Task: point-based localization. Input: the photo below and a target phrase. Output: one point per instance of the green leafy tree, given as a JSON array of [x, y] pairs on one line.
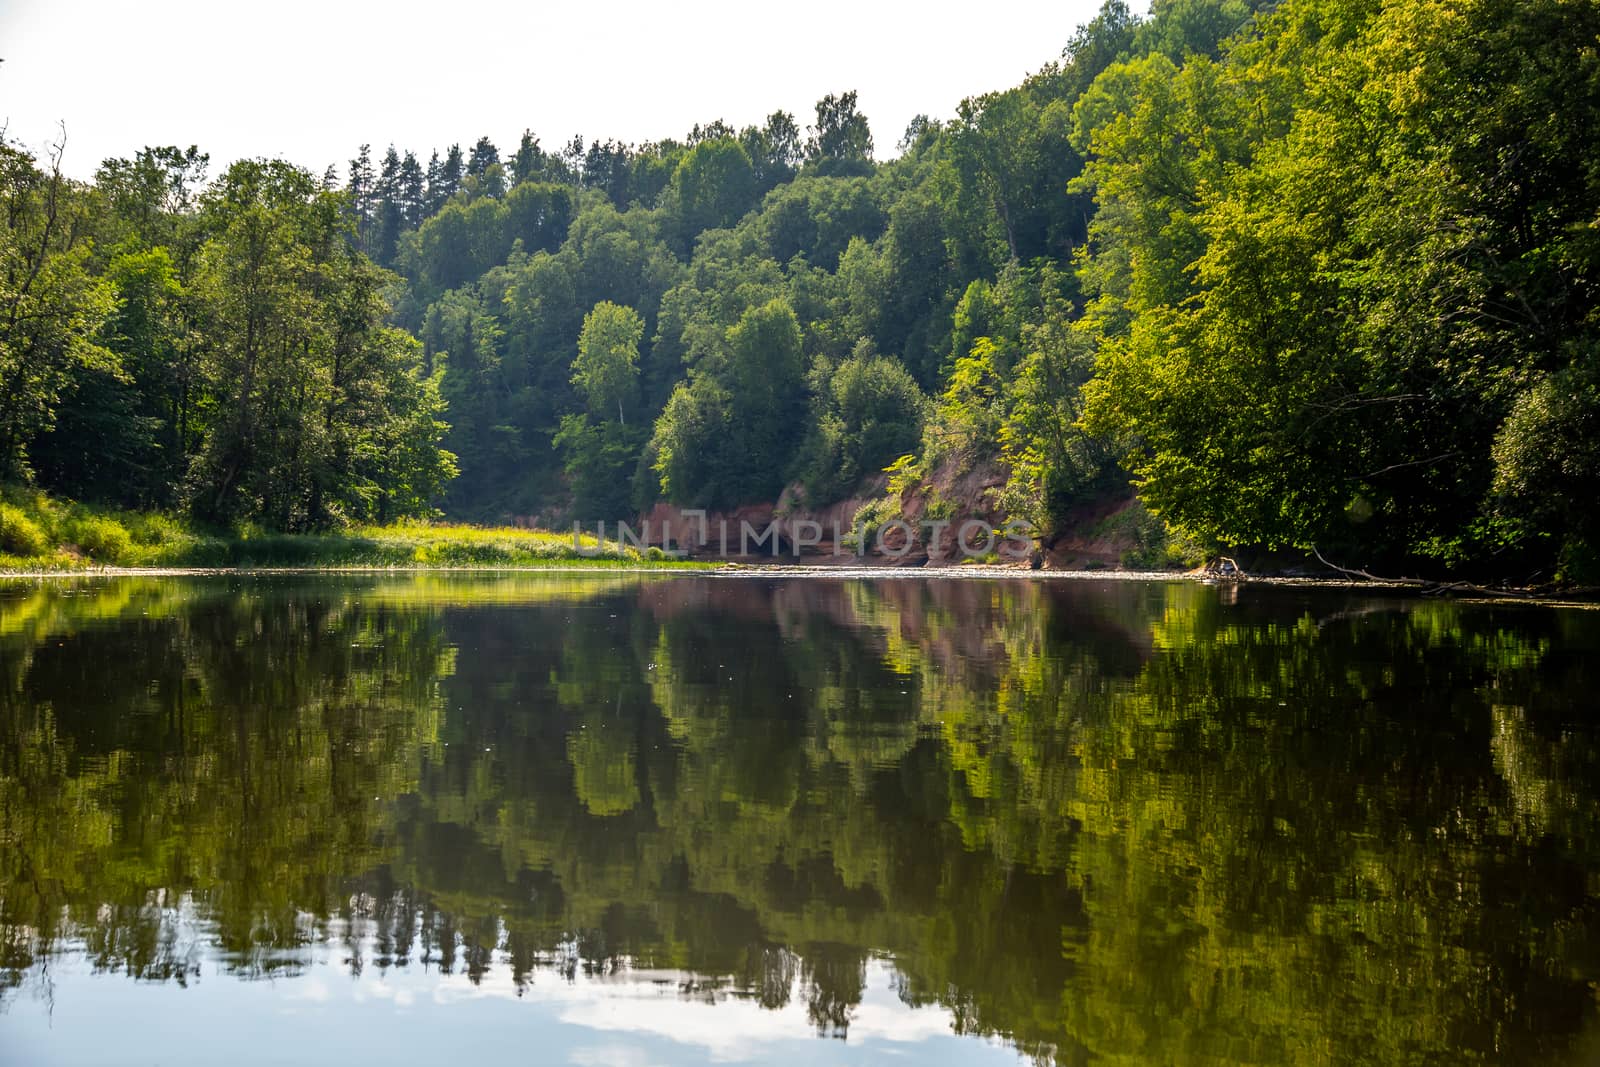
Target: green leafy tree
[[774, 149], [713, 186], [866, 412], [730, 435], [1303, 297], [606, 370], [841, 140], [51, 306], [310, 394], [129, 429]]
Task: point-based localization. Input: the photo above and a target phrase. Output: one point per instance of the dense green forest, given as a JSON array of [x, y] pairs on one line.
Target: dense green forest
[[1308, 275]]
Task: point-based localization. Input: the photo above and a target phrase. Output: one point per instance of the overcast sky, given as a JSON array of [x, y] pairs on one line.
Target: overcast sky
[[311, 81]]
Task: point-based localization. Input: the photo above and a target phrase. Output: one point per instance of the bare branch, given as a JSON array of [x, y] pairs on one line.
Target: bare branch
[[1363, 574], [1413, 463]]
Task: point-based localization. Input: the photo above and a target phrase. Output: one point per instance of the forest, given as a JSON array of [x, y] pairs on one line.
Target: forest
[[1313, 277]]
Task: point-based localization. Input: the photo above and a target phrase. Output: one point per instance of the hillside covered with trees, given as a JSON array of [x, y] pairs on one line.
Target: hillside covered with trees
[[1314, 275]]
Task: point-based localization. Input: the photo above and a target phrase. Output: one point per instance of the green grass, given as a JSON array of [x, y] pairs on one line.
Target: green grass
[[38, 533]]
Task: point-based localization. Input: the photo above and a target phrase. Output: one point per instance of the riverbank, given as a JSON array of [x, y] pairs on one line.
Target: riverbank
[[768, 571], [41, 536], [423, 548]]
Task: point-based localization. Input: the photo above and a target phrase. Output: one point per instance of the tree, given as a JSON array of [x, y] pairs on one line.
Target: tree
[[530, 162], [713, 185], [774, 149], [389, 214], [730, 435], [484, 175], [1332, 310], [607, 167], [318, 412], [1546, 458], [483, 156], [598, 459], [451, 171], [866, 412], [127, 430], [1012, 160], [51, 307], [689, 450], [152, 193], [841, 139], [433, 194], [363, 194], [412, 192], [606, 370]]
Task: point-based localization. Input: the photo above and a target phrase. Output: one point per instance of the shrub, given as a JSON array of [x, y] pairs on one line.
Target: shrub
[[20, 535], [103, 540], [1155, 545], [155, 529]]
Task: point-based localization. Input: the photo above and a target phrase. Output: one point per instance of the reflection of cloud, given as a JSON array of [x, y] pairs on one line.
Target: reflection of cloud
[[313, 989], [402, 997], [728, 1031], [610, 1056], [896, 1022], [732, 1030], [725, 1028]]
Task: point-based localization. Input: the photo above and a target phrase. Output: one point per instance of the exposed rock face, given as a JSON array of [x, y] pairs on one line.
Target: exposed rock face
[[952, 494], [935, 510], [785, 529]]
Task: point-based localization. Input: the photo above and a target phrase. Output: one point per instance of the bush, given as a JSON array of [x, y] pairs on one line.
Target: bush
[[1154, 545], [20, 535], [101, 539], [155, 529]]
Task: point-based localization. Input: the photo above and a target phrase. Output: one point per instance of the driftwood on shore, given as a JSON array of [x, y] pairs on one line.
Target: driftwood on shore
[[1430, 587]]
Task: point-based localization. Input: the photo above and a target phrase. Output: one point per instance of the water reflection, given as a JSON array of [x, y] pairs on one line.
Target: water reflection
[[1113, 821]]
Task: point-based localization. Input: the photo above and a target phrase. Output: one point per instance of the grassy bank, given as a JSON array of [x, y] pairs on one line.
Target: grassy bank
[[38, 533]]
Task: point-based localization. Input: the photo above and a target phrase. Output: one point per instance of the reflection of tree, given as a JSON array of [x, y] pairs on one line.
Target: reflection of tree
[[226, 757], [603, 770], [833, 977], [1121, 822]]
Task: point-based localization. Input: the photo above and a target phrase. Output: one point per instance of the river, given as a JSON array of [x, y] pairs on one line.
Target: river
[[621, 819]]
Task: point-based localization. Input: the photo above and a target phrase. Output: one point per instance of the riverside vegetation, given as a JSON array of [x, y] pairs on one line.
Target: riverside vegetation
[[39, 534], [1316, 276]]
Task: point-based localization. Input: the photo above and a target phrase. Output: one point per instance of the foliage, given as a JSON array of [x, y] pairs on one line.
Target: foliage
[[102, 539], [730, 433], [20, 535], [866, 412], [600, 459], [1332, 323], [608, 358], [51, 305], [321, 413], [1308, 274]]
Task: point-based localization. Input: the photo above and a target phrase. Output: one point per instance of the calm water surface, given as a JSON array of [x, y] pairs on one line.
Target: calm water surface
[[620, 820]]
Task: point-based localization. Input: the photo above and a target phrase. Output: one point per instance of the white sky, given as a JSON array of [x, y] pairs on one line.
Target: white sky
[[312, 81]]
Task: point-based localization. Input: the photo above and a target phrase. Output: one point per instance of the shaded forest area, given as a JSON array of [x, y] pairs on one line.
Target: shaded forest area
[[1316, 275]]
